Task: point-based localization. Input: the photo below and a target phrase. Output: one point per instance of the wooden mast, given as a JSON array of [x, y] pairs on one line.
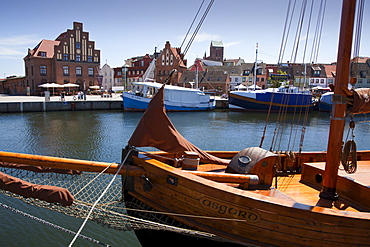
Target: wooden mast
[[339, 103]]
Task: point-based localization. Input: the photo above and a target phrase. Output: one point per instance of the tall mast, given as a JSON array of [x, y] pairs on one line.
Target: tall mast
[[338, 113], [255, 69]]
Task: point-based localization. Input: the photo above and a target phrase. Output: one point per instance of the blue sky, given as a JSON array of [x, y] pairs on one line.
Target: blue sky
[[126, 28]]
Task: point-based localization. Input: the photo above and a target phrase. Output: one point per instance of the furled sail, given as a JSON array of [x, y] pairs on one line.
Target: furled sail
[[43, 192], [155, 129], [361, 101]]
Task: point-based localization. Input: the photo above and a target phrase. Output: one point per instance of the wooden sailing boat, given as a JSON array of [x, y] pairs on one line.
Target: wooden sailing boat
[[235, 201], [228, 196]]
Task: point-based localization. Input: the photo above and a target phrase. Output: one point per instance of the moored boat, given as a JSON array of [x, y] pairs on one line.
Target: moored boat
[[288, 99], [252, 197], [324, 103], [176, 98]]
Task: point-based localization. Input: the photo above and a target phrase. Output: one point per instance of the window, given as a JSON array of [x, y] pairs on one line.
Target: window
[[65, 57], [209, 78], [90, 71], [218, 78], [42, 53], [363, 74], [78, 71], [89, 59], [316, 73], [246, 72], [78, 58], [42, 69], [78, 45], [236, 79], [65, 70]]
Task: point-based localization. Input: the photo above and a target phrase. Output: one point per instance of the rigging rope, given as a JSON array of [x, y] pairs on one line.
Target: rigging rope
[[286, 31], [198, 27], [360, 10], [191, 25], [318, 31], [298, 32], [100, 197], [307, 33]]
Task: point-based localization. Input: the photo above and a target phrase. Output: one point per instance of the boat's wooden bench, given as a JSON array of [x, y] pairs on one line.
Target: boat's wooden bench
[[353, 187]]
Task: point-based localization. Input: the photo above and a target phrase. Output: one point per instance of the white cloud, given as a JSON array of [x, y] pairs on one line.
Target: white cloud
[[201, 37], [21, 40], [232, 43], [16, 46], [6, 51]]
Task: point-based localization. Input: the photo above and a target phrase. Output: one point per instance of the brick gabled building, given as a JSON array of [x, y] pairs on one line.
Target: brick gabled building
[[70, 58], [170, 58]]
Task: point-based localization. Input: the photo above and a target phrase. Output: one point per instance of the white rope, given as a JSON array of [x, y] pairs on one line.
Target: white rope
[[93, 180], [96, 202]]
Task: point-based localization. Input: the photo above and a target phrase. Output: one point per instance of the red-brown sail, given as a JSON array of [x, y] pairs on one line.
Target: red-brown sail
[[46, 193], [155, 129]]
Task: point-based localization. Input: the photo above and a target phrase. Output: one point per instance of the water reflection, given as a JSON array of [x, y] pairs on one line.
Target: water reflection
[[101, 135]]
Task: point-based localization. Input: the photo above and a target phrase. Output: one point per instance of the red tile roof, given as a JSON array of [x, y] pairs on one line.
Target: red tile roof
[[45, 46]]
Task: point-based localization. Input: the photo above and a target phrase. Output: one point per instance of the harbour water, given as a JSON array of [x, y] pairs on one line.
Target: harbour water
[[101, 135]]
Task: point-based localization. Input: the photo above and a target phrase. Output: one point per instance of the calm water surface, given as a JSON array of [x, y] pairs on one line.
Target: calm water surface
[[101, 135]]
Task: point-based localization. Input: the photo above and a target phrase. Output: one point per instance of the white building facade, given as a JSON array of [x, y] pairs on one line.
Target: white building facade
[[108, 77]]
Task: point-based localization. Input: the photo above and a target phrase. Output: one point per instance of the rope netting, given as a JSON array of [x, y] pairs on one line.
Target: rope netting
[[111, 211]]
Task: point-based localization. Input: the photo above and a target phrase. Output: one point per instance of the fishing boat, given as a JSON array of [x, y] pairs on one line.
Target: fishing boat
[[289, 99], [179, 194], [176, 98], [285, 98]]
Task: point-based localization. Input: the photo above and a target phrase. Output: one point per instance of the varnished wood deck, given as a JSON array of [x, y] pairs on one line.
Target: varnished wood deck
[[354, 189]]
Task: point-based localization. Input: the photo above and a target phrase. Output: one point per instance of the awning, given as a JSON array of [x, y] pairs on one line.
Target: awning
[[50, 85]]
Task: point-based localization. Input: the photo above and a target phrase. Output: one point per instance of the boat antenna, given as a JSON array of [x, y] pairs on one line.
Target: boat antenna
[[255, 69]]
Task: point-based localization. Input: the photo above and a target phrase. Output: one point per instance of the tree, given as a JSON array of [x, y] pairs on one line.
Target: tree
[[276, 80]]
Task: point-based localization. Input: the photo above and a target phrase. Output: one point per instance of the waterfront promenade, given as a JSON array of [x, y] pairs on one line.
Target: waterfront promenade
[[10, 104], [7, 98]]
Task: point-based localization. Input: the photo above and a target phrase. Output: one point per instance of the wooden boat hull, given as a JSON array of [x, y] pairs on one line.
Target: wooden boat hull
[[243, 216], [233, 214]]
